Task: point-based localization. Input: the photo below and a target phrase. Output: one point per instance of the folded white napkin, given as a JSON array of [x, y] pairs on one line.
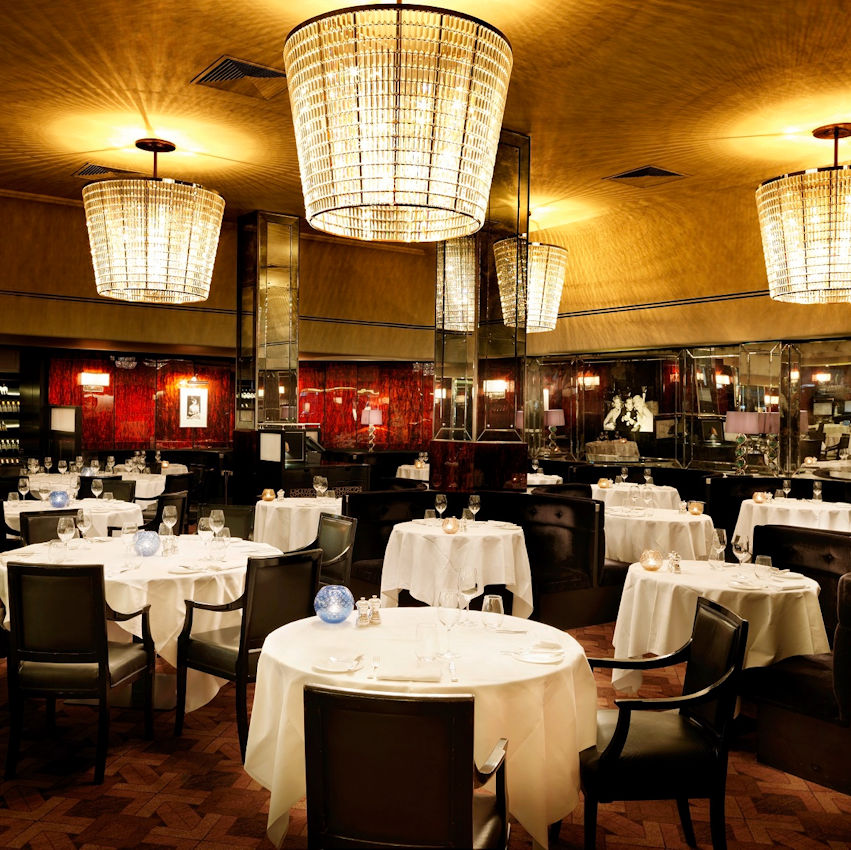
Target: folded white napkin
[[410, 672], [791, 585]]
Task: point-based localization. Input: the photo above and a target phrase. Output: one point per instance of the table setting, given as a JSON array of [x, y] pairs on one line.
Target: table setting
[[657, 610], [620, 494], [531, 684], [805, 513], [104, 512]]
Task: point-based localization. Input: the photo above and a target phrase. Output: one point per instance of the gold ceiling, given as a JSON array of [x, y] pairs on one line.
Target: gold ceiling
[[725, 92]]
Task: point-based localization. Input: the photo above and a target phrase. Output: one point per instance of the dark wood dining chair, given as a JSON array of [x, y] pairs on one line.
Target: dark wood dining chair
[[178, 500], [40, 526], [238, 518], [278, 590], [120, 489], [58, 648], [358, 744], [336, 538], [646, 751]]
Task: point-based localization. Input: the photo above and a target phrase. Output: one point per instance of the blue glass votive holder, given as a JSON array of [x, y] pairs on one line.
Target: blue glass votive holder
[[334, 603]]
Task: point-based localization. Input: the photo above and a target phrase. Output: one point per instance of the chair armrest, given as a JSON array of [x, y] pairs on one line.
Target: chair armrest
[[341, 557], [144, 613], [675, 657], [191, 605], [494, 761], [314, 544]]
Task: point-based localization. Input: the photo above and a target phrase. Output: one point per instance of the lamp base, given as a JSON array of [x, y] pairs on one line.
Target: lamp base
[[371, 438]]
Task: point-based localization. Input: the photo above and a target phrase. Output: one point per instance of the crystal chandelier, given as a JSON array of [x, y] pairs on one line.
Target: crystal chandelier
[[541, 269], [153, 239], [805, 219], [397, 113], [455, 301]]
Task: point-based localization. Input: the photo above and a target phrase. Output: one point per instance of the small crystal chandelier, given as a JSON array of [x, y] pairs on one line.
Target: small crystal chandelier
[[805, 219], [397, 113], [153, 239], [541, 269], [455, 301]]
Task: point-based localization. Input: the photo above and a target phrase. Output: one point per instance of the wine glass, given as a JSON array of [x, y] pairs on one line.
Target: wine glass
[[65, 529], [647, 495], [217, 520], [23, 487], [787, 487], [633, 497], [84, 522], [449, 611], [717, 555], [169, 517], [74, 486], [97, 487], [205, 532], [44, 492], [475, 505], [535, 465], [440, 504], [323, 486], [721, 536], [128, 535], [625, 473], [62, 466], [48, 462], [467, 588], [648, 476], [493, 612], [816, 491], [740, 549]]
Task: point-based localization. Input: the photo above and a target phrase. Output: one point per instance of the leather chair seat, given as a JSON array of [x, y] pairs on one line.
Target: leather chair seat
[[218, 649], [802, 683], [487, 823], [568, 579], [613, 573], [368, 571], [124, 659], [662, 750]]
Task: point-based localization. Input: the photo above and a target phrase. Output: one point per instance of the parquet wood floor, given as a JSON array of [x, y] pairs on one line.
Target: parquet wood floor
[[191, 792]]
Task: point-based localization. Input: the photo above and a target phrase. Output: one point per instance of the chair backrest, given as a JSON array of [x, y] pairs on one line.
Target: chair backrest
[[718, 642], [278, 590], [351, 735], [336, 538], [85, 490], [124, 490], [57, 614], [347, 489], [40, 526], [842, 648], [178, 483], [301, 492], [179, 501], [238, 518], [808, 447], [575, 488]]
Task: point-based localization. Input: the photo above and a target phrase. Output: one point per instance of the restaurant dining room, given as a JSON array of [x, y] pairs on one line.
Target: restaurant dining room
[[425, 426]]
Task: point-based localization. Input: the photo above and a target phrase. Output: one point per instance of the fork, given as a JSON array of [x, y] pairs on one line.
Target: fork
[[376, 660]]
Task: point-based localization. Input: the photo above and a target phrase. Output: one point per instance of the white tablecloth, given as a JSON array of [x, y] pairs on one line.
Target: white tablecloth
[[547, 711], [408, 470], [833, 432], [629, 533], [291, 523], [132, 582], [48, 479], [105, 512], [620, 495], [805, 513], [657, 613], [539, 479], [148, 485], [423, 559]]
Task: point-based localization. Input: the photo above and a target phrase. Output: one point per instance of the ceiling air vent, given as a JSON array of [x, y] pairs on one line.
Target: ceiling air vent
[[646, 177], [241, 77], [92, 169]]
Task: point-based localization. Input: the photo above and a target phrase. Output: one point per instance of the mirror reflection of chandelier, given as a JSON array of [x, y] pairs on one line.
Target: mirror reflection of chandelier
[[805, 220], [544, 268], [153, 239], [455, 298], [397, 113]]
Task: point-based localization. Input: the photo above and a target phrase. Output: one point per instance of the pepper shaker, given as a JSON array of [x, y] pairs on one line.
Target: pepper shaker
[[674, 561], [363, 612], [374, 611]]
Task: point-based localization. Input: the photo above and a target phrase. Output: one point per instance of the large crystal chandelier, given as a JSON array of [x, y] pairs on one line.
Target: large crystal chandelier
[[397, 113], [455, 301], [540, 270], [805, 219], [153, 239]]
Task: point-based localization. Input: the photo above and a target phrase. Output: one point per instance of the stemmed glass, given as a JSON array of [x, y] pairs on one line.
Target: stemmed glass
[[97, 487], [320, 485], [787, 487], [721, 536], [44, 492], [475, 505], [84, 522], [128, 535], [648, 476], [467, 587], [23, 487], [740, 549], [48, 462], [647, 495], [205, 532], [94, 463], [217, 520], [62, 466], [536, 465], [78, 462], [73, 486], [440, 504], [65, 529], [816, 491], [169, 517], [449, 611], [625, 473]]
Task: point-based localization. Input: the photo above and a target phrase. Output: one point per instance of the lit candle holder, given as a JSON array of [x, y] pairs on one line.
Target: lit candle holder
[[164, 464], [810, 460], [268, 495], [418, 464], [759, 497], [604, 483], [450, 525], [651, 560], [695, 508]]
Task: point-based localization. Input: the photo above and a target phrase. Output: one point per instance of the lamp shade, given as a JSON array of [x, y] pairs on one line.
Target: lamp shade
[[553, 418], [455, 295], [397, 113], [540, 269], [153, 239], [743, 422], [371, 416], [805, 221]]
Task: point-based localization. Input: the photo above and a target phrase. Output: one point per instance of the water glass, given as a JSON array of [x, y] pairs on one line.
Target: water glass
[[717, 556], [741, 549], [426, 642], [762, 566], [721, 536], [430, 514], [128, 535], [14, 496], [618, 479], [108, 495], [492, 611]]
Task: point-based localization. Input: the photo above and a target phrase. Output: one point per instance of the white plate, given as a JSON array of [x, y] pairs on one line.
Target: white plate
[[332, 664], [540, 656]]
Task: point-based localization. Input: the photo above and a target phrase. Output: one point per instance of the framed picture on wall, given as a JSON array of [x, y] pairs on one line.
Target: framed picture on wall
[[193, 407]]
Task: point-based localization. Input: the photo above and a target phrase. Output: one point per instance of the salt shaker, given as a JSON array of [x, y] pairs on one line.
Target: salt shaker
[[374, 611], [280, 495], [363, 612], [674, 561]]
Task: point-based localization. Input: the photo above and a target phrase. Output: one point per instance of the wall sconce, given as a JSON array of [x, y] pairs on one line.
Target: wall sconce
[[495, 388], [722, 380], [822, 377], [440, 393], [589, 381], [93, 382]]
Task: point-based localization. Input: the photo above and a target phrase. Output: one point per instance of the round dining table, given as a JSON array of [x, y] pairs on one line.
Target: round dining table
[[195, 571], [541, 479], [621, 496], [805, 513], [410, 470], [629, 531], [104, 512], [423, 559], [292, 523], [657, 608], [543, 701]]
